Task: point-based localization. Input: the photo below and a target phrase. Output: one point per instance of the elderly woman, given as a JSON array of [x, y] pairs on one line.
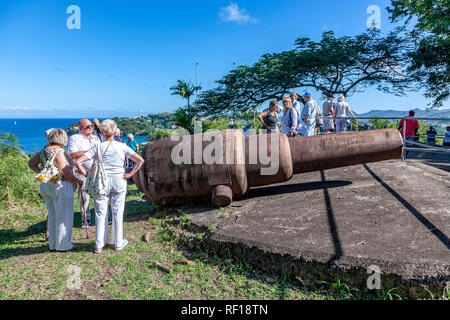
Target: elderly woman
[[57, 190], [290, 116], [269, 117], [134, 146], [342, 108], [113, 155], [132, 143]]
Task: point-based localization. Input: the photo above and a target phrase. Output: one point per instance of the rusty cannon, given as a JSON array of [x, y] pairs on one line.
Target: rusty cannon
[[223, 165]]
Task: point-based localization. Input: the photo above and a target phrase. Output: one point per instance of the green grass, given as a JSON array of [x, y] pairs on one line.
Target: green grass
[[29, 271]]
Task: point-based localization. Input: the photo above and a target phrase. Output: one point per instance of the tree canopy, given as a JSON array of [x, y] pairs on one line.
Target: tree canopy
[[337, 65], [432, 45], [184, 90]]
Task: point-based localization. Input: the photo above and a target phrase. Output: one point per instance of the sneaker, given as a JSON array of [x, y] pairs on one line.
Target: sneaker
[[124, 244], [98, 250]]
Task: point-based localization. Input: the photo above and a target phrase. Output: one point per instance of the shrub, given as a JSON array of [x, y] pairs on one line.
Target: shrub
[[17, 182]]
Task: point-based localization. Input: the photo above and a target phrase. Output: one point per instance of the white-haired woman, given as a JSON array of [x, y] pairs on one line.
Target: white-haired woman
[[342, 109], [113, 155], [134, 146], [57, 191], [132, 143]]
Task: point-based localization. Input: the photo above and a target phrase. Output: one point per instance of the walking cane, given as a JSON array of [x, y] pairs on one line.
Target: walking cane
[[83, 212]]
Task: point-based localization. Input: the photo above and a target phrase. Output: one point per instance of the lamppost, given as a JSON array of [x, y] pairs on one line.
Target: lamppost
[[196, 82]]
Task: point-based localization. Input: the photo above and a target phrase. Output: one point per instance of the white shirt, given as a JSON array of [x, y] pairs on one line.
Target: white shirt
[[79, 142], [113, 158], [298, 108], [342, 108], [289, 121]]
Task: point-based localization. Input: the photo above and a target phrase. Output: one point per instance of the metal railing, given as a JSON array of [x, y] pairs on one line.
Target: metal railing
[[406, 142]]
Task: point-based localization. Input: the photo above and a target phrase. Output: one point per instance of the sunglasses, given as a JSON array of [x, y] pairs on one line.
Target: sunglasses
[[88, 127]]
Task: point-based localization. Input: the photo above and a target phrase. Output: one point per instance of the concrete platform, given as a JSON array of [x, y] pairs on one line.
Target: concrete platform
[[392, 214]]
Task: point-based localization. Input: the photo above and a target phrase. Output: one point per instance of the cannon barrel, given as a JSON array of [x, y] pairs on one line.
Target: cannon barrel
[[223, 165]]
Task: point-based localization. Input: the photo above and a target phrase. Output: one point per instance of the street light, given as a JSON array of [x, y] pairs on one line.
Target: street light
[[196, 82]]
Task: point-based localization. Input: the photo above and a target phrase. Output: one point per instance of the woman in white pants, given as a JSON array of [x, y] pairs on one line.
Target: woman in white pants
[[57, 190], [113, 155], [342, 108]]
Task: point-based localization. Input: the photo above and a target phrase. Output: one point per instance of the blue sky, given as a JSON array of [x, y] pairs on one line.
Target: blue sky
[[128, 53]]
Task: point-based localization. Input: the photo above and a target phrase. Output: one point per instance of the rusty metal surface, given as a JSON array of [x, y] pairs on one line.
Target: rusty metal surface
[[167, 183], [344, 149], [222, 196], [253, 168]]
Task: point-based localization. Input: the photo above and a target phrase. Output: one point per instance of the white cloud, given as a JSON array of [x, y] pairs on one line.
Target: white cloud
[[15, 108], [232, 13]]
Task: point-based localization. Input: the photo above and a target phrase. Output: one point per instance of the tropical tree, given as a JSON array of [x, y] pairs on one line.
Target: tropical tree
[[422, 132], [338, 65], [430, 56], [183, 118], [160, 134], [377, 123], [184, 90]]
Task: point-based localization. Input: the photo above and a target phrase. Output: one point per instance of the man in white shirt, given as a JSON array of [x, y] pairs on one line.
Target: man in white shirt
[[78, 144], [309, 114], [329, 110], [298, 108]]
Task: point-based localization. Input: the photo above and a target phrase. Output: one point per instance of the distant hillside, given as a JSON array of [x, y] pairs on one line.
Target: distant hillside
[[142, 126], [434, 113]]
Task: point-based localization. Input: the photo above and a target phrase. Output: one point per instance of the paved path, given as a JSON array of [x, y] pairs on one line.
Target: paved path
[[392, 214]]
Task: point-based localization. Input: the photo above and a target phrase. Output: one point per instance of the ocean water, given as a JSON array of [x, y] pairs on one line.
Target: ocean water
[[31, 132]]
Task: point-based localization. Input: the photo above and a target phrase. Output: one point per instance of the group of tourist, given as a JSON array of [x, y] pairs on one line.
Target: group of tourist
[[70, 169], [306, 121], [309, 120]]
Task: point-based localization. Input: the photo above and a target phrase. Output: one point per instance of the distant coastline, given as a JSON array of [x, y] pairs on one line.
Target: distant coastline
[[30, 131]]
